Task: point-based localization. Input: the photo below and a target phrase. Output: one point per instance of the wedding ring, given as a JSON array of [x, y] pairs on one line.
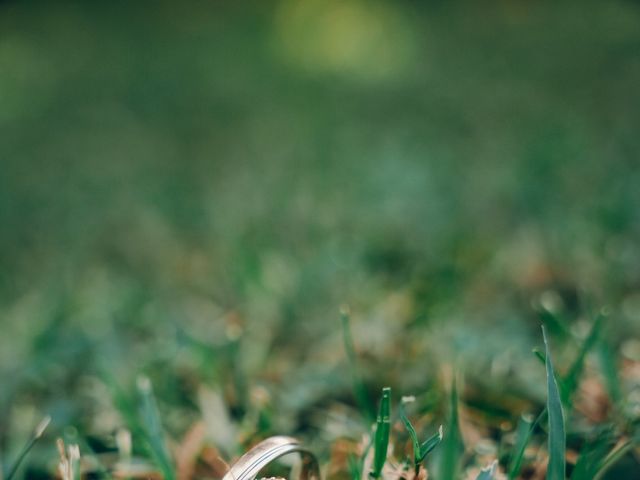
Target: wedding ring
[[251, 463]]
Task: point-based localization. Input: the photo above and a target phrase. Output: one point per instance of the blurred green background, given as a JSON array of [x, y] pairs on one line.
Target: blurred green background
[[190, 190]]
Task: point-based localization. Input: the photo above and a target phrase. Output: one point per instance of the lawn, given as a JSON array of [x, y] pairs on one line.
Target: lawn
[[224, 221]]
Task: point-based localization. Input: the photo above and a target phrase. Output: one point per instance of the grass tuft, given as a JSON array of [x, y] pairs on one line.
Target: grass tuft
[[420, 450], [557, 436]]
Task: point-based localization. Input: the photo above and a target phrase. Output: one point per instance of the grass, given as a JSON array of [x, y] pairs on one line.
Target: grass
[[594, 461], [420, 450], [557, 436], [187, 193]]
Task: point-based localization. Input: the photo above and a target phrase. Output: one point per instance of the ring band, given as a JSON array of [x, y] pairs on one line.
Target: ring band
[[251, 463]]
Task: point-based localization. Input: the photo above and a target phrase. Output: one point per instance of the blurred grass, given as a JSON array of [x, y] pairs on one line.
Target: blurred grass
[[191, 190]]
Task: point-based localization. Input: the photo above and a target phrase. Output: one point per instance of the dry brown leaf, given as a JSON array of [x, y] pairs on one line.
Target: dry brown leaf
[[216, 466], [188, 450]]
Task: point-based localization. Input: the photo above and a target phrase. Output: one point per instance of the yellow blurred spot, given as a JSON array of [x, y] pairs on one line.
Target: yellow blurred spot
[[369, 40]]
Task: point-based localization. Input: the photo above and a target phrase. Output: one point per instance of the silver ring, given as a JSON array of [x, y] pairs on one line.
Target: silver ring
[[251, 463]]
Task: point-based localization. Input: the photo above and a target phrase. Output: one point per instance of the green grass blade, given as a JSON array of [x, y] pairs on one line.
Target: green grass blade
[[488, 472], [412, 433], [610, 372], [359, 389], [37, 434], [540, 355], [571, 380], [557, 437], [383, 427], [449, 462], [153, 428], [430, 443], [127, 407], [525, 429], [355, 467], [612, 458], [420, 451], [567, 387], [591, 459]]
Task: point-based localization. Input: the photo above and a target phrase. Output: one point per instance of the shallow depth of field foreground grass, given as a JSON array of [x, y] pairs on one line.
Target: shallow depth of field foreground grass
[[341, 220]]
